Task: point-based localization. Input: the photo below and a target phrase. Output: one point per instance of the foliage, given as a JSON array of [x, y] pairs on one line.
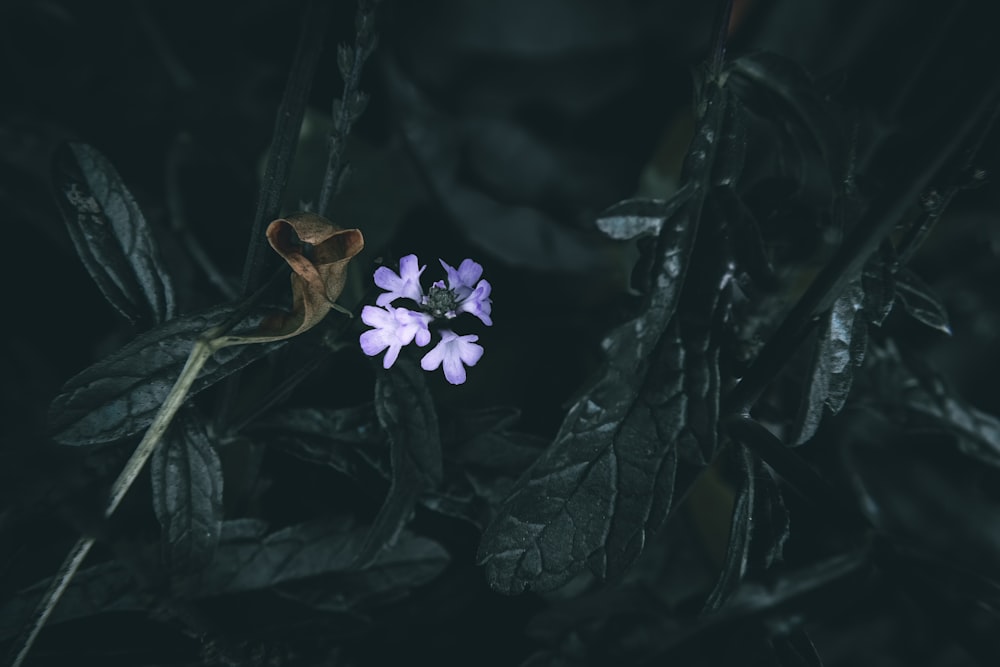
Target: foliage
[[733, 404]]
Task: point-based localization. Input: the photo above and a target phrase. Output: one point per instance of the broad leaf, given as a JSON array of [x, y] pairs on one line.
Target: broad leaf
[[406, 412], [111, 235], [95, 590], [247, 560], [120, 395], [920, 302], [412, 562], [187, 493], [840, 349], [610, 477]]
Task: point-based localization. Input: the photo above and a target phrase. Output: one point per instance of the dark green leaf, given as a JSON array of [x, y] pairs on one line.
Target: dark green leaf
[[920, 302], [412, 562], [633, 218], [485, 440], [610, 478], [840, 349], [718, 149], [349, 440], [878, 281], [103, 588], [406, 412], [247, 560], [187, 493], [317, 555], [757, 532], [800, 99], [119, 396], [111, 235]]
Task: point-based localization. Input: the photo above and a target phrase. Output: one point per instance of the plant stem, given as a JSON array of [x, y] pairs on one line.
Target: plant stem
[[721, 35], [286, 135], [350, 105]]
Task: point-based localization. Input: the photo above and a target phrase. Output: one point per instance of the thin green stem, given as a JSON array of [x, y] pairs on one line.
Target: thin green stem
[[286, 135]]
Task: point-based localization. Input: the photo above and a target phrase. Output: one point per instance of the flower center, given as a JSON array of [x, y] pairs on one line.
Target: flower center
[[441, 301]]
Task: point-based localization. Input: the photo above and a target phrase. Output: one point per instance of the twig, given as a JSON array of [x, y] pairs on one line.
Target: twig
[[350, 105]]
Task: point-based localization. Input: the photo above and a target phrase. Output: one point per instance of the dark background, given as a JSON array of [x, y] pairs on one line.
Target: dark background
[[495, 131]]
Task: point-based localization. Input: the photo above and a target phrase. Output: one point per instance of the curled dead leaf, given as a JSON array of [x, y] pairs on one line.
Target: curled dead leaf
[[318, 252]]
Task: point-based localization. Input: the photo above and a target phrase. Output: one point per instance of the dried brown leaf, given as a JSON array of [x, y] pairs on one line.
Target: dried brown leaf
[[318, 252]]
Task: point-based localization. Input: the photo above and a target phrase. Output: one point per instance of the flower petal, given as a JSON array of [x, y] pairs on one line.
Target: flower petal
[[433, 359], [469, 272], [391, 355], [454, 371], [376, 317], [410, 269], [387, 279], [375, 340], [469, 351]]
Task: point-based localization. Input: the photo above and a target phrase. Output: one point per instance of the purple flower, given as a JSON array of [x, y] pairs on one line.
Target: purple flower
[[454, 352], [472, 295], [405, 284], [394, 328]]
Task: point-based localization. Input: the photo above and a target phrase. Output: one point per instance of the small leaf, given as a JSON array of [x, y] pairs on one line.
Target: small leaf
[[406, 412], [843, 338], [111, 235], [187, 494], [345, 60], [920, 302], [798, 97], [878, 280], [633, 218], [120, 395]]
